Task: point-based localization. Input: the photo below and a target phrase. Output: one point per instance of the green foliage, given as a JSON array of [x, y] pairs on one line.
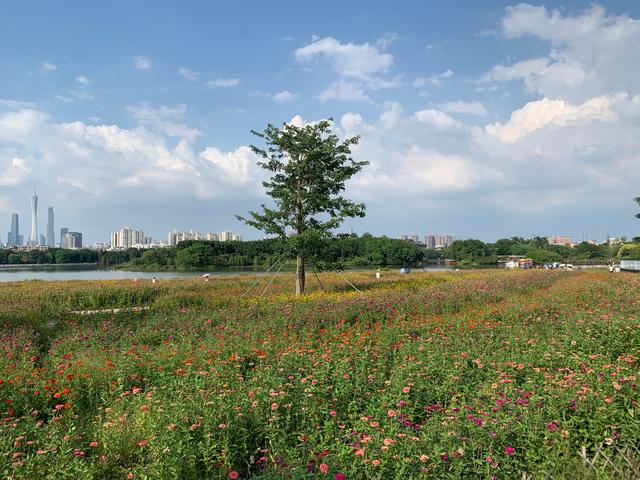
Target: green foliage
[[454, 375], [629, 251], [309, 168]]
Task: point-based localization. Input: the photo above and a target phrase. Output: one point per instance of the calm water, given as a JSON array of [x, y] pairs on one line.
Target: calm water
[[91, 273]]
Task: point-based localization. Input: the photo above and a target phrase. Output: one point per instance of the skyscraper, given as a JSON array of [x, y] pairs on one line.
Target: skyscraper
[[14, 238], [63, 232], [51, 236], [34, 218]]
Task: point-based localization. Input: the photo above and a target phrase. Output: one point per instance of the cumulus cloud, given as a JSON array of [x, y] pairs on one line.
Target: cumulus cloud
[[234, 165], [590, 54], [223, 82], [96, 160], [358, 66], [83, 80], [539, 114], [142, 62], [284, 96], [348, 59], [16, 173], [437, 119]]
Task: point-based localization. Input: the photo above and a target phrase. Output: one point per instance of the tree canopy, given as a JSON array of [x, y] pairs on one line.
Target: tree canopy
[[309, 168]]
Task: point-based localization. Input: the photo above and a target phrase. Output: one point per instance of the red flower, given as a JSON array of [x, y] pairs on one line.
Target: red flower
[[509, 450], [234, 474], [324, 468], [340, 476]]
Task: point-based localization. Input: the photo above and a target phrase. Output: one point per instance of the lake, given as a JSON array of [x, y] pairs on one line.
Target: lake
[[92, 273]]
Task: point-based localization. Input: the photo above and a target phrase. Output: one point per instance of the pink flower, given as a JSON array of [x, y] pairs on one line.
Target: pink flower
[[93, 444], [509, 450], [376, 463], [333, 413], [233, 474], [391, 413], [324, 468], [388, 441], [340, 476], [406, 389]]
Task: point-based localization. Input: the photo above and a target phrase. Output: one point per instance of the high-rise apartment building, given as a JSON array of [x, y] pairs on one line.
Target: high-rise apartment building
[[51, 237], [42, 241], [63, 232], [438, 241], [176, 237], [415, 238], [71, 240], [128, 237], [34, 218], [14, 239]]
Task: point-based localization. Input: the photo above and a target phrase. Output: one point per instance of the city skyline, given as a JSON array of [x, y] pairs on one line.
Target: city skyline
[[494, 120]]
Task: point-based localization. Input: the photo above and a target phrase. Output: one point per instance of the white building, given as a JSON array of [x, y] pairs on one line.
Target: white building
[[176, 237], [129, 238]]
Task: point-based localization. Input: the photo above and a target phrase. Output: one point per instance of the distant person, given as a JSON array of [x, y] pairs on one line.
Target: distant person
[[378, 273], [206, 277], [153, 280]]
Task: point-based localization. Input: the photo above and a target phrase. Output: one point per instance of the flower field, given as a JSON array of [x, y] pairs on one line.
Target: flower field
[[485, 374]]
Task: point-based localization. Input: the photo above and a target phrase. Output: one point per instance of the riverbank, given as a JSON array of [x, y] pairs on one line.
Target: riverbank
[[18, 266]]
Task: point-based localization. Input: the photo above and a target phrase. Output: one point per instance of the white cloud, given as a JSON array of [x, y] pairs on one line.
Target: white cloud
[[48, 67], [17, 127], [165, 119], [189, 74], [590, 54], [437, 119], [284, 96], [433, 80], [235, 165], [539, 114], [223, 82], [16, 173], [470, 108], [142, 62], [343, 91], [83, 80], [391, 115], [386, 41], [347, 59]]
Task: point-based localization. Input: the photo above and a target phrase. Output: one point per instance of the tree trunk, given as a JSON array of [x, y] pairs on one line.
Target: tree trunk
[[300, 277]]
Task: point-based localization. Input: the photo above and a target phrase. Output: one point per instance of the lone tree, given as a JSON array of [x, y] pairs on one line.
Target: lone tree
[[637, 200], [309, 167]]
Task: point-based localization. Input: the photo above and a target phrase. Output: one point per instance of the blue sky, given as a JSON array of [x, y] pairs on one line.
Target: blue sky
[[492, 120]]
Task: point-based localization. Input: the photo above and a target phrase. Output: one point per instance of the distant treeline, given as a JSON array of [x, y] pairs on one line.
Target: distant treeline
[[52, 256], [538, 249], [341, 250], [350, 250]]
